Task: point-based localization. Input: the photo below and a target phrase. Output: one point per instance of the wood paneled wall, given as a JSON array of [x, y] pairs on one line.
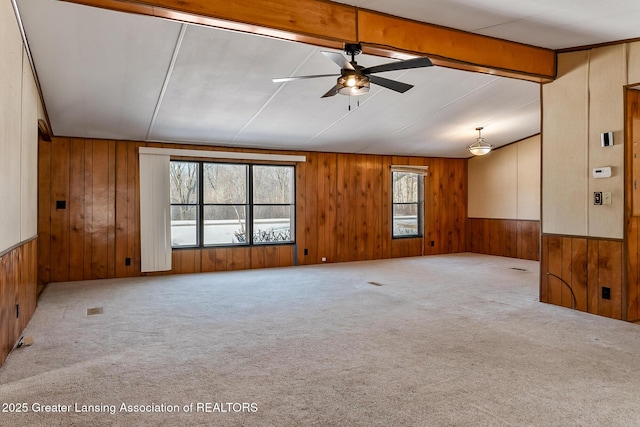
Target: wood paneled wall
[[18, 271], [343, 212], [504, 237], [585, 266], [632, 203]]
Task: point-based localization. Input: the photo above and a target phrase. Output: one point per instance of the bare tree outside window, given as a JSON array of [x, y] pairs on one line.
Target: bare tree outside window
[[407, 204], [225, 203], [273, 203], [183, 178], [234, 204]]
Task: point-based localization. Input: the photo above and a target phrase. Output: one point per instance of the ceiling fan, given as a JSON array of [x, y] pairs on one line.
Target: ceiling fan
[[355, 79]]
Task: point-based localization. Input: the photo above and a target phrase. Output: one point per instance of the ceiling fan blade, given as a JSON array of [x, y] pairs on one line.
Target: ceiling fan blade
[[289, 79], [339, 59], [400, 65], [331, 92], [390, 84]]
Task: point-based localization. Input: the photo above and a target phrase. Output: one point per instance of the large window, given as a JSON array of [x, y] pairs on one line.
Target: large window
[[224, 204], [407, 204]]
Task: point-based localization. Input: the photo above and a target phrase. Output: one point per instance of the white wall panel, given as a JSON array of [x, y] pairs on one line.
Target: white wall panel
[[493, 184], [10, 126], [633, 63], [607, 77], [529, 178], [29, 154], [564, 147], [505, 184]]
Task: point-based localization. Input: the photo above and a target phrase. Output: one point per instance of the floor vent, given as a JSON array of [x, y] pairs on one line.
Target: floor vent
[[518, 269], [92, 311], [375, 283]]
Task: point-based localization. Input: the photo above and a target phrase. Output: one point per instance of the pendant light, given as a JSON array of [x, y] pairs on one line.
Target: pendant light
[[480, 147]]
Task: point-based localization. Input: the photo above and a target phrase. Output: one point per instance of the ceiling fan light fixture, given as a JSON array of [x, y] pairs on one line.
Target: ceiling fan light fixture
[[480, 147], [353, 84]]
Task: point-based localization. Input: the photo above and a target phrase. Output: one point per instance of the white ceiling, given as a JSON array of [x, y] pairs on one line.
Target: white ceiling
[[112, 75]]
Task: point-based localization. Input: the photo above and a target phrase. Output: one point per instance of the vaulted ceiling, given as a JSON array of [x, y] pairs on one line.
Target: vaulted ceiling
[[107, 74]]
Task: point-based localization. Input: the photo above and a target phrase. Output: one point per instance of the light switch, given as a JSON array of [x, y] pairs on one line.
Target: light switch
[[597, 198], [606, 198]]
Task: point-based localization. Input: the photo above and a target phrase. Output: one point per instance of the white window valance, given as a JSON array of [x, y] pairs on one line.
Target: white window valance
[[236, 155], [421, 170]]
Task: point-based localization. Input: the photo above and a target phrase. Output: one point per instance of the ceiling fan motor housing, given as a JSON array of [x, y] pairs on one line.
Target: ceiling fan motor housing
[[352, 49]]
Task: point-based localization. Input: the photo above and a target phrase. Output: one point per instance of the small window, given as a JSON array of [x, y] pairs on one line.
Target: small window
[[407, 204]]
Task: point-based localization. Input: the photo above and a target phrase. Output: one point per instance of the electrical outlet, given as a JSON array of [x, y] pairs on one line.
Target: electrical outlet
[[432, 243], [306, 251], [606, 198], [606, 293], [127, 261], [324, 259]]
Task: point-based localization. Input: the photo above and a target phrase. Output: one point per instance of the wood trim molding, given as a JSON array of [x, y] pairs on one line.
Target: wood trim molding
[[329, 24], [17, 245]]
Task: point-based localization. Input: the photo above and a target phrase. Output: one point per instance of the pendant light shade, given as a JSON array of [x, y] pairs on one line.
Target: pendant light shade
[[480, 147]]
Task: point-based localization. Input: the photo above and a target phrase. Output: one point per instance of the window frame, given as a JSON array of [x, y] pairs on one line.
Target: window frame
[[419, 204], [249, 205], [196, 204]]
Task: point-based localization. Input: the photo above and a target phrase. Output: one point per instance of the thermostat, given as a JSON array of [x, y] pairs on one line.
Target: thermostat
[[603, 172]]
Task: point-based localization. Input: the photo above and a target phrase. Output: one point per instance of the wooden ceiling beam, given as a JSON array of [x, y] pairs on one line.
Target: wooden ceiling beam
[[329, 24]]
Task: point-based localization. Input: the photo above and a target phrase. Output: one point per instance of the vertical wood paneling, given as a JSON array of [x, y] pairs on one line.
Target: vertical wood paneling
[[221, 258], [343, 212], [510, 238], [76, 209], [100, 213], [321, 201], [121, 209], [432, 203], [567, 297], [554, 285], [342, 208], [134, 208], [208, 260], [632, 269], [592, 279], [311, 220], [579, 272], [632, 204], [111, 210], [360, 240], [586, 265], [375, 207], [544, 267], [59, 217], [240, 259], [88, 209], [18, 286], [610, 269], [44, 212], [330, 187], [385, 208]]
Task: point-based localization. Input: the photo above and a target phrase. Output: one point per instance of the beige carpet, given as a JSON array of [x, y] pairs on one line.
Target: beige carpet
[[456, 340]]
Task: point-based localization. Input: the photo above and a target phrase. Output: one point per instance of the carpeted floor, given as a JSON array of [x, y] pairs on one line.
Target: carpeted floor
[[456, 340]]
